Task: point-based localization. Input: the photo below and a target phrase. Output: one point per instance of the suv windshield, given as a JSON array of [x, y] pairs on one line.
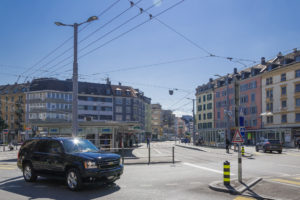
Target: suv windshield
[[79, 145]]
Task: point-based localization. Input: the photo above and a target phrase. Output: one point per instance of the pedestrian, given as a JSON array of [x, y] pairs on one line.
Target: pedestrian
[[227, 145], [148, 142]]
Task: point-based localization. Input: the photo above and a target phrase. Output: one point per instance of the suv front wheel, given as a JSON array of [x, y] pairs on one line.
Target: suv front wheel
[[74, 181], [28, 173]]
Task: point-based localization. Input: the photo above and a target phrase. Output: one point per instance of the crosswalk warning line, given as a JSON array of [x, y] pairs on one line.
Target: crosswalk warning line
[[286, 181], [243, 198]]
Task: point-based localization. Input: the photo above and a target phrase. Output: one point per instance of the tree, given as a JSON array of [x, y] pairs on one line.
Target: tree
[[3, 125]]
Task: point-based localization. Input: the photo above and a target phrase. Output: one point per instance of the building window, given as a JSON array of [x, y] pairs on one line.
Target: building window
[[253, 97], [254, 122], [297, 73], [283, 77], [204, 107], [218, 115], [127, 117], [269, 119], [118, 92], [217, 94], [270, 106], [209, 97], [204, 98], [297, 117], [199, 107], [297, 87], [118, 100], [119, 118], [209, 106], [283, 104], [253, 110], [283, 90], [199, 100], [119, 109], [199, 117], [269, 81], [128, 109], [199, 126], [283, 118], [204, 116], [209, 115], [298, 102], [270, 93]]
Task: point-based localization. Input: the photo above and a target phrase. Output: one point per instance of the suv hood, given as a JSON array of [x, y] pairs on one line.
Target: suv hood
[[97, 155]]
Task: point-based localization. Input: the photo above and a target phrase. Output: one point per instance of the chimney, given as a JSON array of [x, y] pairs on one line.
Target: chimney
[[263, 61], [120, 83], [108, 81], [295, 50], [234, 70], [279, 55], [211, 80]]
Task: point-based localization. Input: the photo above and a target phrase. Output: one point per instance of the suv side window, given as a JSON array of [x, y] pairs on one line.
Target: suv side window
[[55, 147], [28, 144], [43, 146]]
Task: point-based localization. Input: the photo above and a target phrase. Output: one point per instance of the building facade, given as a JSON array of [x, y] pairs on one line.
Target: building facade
[[156, 123], [205, 106]]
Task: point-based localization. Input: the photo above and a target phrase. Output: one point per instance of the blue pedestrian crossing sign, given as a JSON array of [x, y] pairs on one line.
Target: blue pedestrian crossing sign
[[242, 131]]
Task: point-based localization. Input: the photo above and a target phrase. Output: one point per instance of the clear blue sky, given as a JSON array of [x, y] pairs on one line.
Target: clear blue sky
[[241, 29]]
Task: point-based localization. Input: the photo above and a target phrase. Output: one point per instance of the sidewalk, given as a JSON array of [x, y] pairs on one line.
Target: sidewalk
[[279, 188]]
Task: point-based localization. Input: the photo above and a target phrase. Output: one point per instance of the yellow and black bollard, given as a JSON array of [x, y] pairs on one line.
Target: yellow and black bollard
[[226, 173], [243, 151]]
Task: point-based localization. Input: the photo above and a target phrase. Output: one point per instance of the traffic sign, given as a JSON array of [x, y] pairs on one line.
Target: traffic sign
[[237, 138], [242, 131]]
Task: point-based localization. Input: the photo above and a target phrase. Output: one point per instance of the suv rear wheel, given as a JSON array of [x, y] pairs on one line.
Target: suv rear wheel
[[74, 181], [28, 173]]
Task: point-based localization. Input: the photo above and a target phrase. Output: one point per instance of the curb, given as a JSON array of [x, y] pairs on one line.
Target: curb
[[193, 148], [230, 189]]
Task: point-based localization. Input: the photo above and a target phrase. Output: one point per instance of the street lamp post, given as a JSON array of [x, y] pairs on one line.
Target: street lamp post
[[75, 74], [194, 120]]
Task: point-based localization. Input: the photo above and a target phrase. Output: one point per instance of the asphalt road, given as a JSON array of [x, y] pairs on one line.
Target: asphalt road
[[188, 178]]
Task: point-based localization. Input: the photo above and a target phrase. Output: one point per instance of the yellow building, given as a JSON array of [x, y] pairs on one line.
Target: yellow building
[[12, 108], [205, 106]]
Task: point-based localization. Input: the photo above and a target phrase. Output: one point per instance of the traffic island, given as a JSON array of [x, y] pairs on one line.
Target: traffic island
[[235, 187]]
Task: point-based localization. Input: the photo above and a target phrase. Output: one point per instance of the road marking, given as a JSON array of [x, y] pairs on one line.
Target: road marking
[[204, 168], [286, 182], [298, 178], [9, 168], [172, 184], [157, 151], [293, 166], [242, 198], [195, 183], [145, 185]]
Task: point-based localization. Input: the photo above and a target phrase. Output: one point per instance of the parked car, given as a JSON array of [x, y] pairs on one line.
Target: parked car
[[269, 145], [76, 160]]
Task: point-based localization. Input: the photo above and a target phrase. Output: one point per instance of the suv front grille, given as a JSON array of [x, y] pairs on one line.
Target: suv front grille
[[109, 164]]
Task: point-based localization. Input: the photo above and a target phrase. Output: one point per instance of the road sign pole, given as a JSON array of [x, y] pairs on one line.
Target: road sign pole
[[239, 164]]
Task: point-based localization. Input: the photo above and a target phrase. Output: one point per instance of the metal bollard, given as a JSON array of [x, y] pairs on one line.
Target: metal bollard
[[149, 155], [173, 154], [243, 151], [226, 173]]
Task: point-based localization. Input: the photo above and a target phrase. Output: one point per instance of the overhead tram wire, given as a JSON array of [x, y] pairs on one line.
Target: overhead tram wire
[[117, 37], [103, 36], [67, 40], [143, 66]]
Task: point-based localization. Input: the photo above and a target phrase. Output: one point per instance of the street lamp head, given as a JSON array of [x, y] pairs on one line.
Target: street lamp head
[[59, 24], [92, 18]]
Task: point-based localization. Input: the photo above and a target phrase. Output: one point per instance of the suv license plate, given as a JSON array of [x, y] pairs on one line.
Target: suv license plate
[[110, 177]]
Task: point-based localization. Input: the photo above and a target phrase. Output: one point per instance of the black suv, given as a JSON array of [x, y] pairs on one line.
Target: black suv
[[77, 160]]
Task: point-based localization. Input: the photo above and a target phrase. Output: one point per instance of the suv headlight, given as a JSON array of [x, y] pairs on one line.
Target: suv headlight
[[90, 165]]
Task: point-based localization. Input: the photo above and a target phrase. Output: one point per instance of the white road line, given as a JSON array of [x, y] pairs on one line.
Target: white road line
[[145, 185], [172, 184], [205, 168], [157, 151], [194, 183]]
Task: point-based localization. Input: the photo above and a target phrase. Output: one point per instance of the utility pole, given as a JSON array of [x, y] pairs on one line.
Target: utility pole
[[75, 74], [194, 139], [227, 108]]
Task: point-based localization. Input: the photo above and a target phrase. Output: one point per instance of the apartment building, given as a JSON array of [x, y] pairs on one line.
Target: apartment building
[[281, 97], [156, 122], [205, 106], [12, 109]]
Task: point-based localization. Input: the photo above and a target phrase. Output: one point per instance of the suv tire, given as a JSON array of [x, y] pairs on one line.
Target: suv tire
[[264, 150], [73, 179], [256, 148], [29, 173], [280, 151]]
